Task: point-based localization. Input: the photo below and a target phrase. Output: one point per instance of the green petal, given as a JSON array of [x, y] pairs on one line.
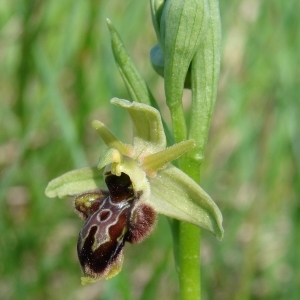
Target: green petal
[[149, 134], [153, 162], [176, 195], [74, 182], [111, 140]]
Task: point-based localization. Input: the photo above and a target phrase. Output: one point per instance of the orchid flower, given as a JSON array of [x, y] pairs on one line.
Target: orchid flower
[[141, 183]]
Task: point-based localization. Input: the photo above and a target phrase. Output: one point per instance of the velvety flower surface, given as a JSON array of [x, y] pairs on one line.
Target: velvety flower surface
[[141, 182]]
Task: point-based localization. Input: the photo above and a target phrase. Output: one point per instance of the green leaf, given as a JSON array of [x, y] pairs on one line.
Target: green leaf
[[176, 195], [75, 182]]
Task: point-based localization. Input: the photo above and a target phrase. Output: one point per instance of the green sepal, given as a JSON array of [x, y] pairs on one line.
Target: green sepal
[[176, 195], [149, 133], [75, 182]]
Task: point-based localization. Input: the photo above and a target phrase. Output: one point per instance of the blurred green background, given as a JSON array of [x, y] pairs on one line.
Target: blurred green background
[[58, 74]]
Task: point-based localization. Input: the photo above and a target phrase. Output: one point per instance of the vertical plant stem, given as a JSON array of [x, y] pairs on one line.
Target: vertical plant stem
[[205, 68], [189, 248], [189, 261], [186, 235]]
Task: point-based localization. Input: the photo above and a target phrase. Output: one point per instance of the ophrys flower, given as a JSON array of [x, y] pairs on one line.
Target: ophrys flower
[[141, 182]]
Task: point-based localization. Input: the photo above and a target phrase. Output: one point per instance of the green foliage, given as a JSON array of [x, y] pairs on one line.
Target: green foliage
[[58, 74]]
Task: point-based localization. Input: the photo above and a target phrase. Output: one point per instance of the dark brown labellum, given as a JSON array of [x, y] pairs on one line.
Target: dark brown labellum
[[141, 223], [111, 218], [85, 204]]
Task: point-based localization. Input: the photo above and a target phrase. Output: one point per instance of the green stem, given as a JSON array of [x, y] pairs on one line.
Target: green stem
[[189, 247], [189, 262], [187, 254]]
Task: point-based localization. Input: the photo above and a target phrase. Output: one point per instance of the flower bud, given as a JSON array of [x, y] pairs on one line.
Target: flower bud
[[181, 28]]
